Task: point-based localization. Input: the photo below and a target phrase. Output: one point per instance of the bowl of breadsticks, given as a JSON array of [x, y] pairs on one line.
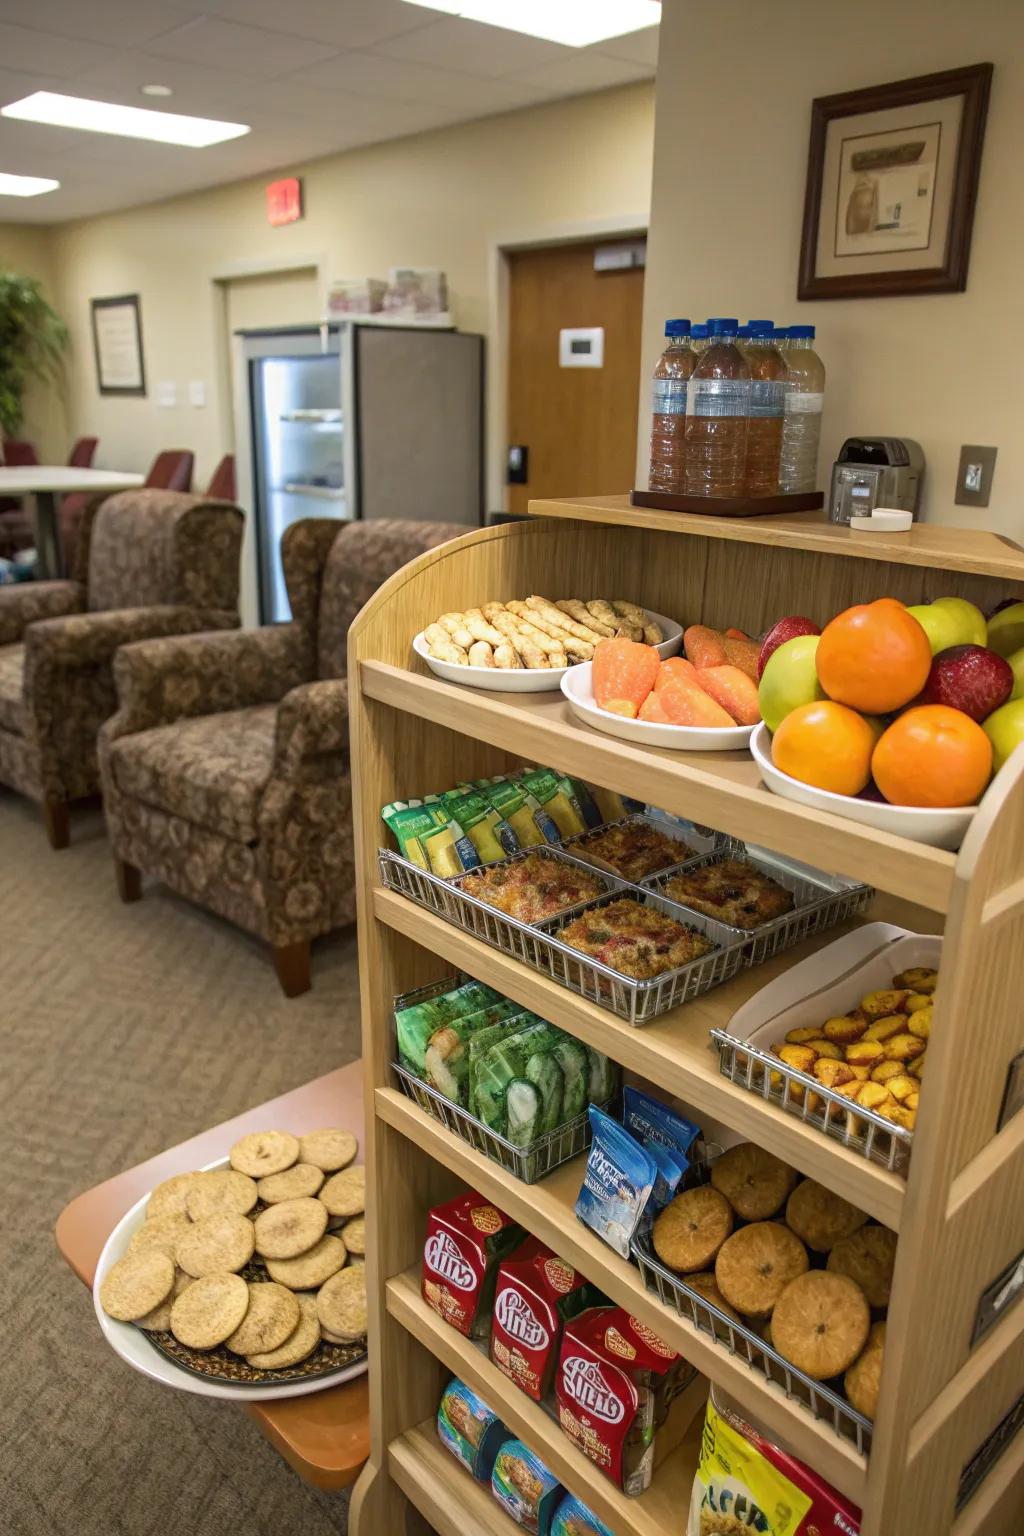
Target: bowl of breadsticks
[[527, 646]]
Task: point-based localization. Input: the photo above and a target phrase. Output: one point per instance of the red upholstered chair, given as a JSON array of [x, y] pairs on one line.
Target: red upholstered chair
[[73, 506], [17, 528], [171, 471], [81, 455], [18, 452], [222, 485]]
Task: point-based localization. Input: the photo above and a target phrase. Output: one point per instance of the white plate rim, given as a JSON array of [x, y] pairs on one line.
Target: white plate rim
[[692, 738], [147, 1359]]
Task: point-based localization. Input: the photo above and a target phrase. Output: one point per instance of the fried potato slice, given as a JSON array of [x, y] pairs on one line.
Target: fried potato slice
[[885, 1070], [833, 1074], [889, 1024], [920, 978], [802, 1035], [825, 1048], [916, 1067], [918, 1000], [802, 1057], [843, 1028], [865, 1051], [920, 1023], [902, 1087], [891, 1000], [903, 1047]]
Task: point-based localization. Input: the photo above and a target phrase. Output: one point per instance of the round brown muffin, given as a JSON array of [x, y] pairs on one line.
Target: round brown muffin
[[819, 1217], [754, 1182], [690, 1230], [755, 1265], [869, 1257], [820, 1323]]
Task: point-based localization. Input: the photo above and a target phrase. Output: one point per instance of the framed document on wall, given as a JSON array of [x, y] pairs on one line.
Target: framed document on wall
[[117, 344], [892, 178]]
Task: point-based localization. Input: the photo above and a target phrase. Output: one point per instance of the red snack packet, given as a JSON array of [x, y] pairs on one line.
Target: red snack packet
[[536, 1293], [466, 1240]]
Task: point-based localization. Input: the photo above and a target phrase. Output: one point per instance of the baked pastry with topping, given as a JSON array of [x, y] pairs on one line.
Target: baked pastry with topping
[[638, 940], [534, 887], [734, 890], [633, 850]]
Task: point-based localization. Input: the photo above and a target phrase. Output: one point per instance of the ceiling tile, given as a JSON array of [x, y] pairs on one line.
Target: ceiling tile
[[20, 142], [638, 47], [22, 48], [371, 74], [124, 22], [245, 50], [345, 23], [474, 47], [586, 71]]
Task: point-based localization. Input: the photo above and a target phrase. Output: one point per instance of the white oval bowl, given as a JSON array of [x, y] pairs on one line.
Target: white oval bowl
[[135, 1348], [578, 689], [941, 827], [523, 680]]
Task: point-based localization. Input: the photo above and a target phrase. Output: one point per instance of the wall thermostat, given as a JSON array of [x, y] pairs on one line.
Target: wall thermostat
[[582, 347]]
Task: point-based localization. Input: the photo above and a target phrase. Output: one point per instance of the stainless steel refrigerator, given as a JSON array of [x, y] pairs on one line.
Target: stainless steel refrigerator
[[357, 420]]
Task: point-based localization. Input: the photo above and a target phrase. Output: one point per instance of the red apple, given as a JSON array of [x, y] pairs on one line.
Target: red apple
[[785, 629], [970, 678]]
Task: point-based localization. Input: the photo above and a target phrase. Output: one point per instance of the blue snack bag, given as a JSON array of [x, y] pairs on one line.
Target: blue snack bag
[[617, 1183], [648, 1118], [573, 1518], [670, 1170]]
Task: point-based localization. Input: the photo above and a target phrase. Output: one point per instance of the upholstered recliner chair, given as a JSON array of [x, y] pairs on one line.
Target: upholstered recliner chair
[[226, 767], [147, 563]]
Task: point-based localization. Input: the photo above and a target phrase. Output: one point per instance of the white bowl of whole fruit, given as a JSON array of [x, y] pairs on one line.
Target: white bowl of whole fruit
[[895, 717]]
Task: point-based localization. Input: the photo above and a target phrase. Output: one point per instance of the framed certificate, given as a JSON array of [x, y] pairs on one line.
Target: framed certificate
[[117, 344]]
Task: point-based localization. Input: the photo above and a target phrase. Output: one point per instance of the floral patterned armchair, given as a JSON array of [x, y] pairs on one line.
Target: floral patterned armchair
[[226, 767], [147, 563]]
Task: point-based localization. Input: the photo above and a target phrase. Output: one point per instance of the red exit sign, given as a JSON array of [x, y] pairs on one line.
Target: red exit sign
[[284, 200]]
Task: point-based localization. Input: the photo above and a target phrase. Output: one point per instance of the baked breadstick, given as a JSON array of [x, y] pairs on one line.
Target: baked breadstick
[[630, 611], [578, 610], [455, 624], [603, 611], [579, 650], [529, 653], [479, 627], [524, 626], [561, 620], [505, 656], [480, 654], [442, 647]]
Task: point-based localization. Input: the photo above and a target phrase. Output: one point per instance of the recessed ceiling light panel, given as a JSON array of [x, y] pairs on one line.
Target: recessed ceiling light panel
[[25, 186], [156, 90], [573, 22], [128, 122]]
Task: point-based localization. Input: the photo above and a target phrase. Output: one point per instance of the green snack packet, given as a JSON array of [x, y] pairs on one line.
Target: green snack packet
[[555, 796], [491, 836], [428, 836], [513, 805]]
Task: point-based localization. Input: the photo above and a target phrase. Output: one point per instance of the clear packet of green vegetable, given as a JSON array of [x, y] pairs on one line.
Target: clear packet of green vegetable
[[415, 1024], [446, 1058]]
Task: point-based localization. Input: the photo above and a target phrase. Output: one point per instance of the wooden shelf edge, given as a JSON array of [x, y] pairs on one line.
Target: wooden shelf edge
[[655, 1513], [689, 1076], [542, 732], [547, 1210], [445, 1494]]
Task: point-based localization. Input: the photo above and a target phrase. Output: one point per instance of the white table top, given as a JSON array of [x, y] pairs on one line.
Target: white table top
[[27, 479]]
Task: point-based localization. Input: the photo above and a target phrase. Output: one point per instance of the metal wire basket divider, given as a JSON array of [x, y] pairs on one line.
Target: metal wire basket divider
[[530, 1163], [742, 1342], [696, 842], [861, 1130], [637, 1002]]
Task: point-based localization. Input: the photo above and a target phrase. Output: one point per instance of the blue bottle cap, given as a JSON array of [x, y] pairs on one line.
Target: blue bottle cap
[[761, 328], [804, 331], [677, 327], [720, 327], [744, 333], [699, 330]]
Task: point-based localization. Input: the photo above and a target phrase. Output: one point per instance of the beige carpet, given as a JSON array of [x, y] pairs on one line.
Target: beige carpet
[[124, 1030]]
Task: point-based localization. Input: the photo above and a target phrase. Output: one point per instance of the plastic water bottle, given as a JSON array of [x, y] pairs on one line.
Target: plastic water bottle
[[668, 422], [717, 416], [767, 399], [801, 425]]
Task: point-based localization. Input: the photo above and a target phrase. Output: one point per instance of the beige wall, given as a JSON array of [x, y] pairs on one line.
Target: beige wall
[[27, 248], [733, 116], [439, 199]]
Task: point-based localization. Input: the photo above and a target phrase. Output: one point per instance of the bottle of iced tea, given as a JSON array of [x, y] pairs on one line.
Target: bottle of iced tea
[[767, 402], [717, 416], [668, 420]]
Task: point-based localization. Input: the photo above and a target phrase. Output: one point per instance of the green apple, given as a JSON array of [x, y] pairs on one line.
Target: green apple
[[942, 627], [1005, 730], [1006, 630], [789, 679], [971, 621], [1016, 661]]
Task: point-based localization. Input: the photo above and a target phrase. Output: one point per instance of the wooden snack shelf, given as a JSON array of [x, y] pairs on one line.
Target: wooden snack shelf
[[959, 1212]]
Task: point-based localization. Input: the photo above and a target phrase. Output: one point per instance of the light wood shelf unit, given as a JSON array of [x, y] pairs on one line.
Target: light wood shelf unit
[[961, 1213]]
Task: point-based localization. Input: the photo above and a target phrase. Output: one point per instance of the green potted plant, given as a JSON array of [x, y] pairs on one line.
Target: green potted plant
[[33, 338]]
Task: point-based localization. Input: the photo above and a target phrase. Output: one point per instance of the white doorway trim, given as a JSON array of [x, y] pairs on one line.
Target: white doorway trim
[[618, 227]]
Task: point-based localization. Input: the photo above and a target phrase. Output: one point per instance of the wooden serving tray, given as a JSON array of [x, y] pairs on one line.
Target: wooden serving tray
[[730, 506]]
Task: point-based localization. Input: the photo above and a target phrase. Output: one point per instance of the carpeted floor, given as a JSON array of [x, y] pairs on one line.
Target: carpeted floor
[[124, 1030]]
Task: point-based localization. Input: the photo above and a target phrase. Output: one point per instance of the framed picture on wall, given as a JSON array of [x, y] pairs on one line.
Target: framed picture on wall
[[892, 179], [117, 345]]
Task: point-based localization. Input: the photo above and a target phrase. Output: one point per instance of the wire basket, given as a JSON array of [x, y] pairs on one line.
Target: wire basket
[[821, 1401], [820, 901], [862, 1130], [695, 842], [540, 948]]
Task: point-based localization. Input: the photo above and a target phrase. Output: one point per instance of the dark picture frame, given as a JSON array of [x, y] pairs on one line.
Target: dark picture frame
[[108, 384], [972, 83]]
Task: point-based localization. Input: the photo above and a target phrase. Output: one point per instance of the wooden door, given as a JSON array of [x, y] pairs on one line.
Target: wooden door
[[578, 424]]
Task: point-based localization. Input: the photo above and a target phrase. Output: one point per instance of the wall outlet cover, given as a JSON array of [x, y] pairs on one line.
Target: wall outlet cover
[[197, 392], [974, 475]]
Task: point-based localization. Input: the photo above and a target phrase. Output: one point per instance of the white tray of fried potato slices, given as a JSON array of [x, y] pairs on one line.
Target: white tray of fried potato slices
[[527, 646]]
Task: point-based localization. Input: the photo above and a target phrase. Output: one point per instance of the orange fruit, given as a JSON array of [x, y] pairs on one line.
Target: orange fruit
[[827, 745], [932, 755], [875, 657]]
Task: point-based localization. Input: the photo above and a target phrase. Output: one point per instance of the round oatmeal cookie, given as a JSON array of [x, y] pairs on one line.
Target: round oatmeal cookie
[[222, 1189], [159, 1235], [754, 1182], [353, 1235], [295, 1183], [341, 1305], [210, 1310], [264, 1152], [168, 1198], [312, 1268], [344, 1194], [869, 1257], [294, 1226], [159, 1320], [224, 1242], [330, 1150], [136, 1284], [690, 1230], [299, 1344], [271, 1317], [820, 1323], [819, 1217], [755, 1265], [864, 1377]]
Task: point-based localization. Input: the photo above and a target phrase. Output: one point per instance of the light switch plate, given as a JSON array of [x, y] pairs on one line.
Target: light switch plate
[[196, 392], [167, 393], [974, 476]]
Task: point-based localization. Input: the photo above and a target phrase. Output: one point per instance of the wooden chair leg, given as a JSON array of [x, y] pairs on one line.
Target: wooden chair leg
[[129, 881], [57, 821], [291, 961]]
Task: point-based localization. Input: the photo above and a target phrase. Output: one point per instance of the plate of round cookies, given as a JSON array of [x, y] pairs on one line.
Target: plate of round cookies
[[244, 1279]]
